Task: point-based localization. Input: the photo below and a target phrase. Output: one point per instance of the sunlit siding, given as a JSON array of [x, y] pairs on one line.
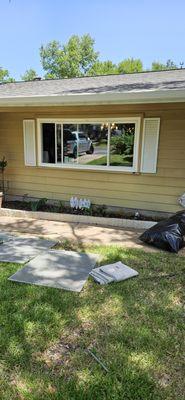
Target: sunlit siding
[[157, 192]]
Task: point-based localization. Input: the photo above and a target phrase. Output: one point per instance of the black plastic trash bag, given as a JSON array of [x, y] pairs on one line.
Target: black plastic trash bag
[[168, 234]]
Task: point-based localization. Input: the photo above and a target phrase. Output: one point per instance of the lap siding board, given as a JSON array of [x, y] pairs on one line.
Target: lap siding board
[[158, 192]]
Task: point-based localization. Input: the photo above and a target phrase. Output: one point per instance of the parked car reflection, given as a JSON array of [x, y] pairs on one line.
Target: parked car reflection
[[76, 143], [79, 148]]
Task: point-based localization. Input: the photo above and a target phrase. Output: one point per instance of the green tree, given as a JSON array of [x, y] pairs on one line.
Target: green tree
[[171, 65], [5, 76], [29, 75], [75, 58], [103, 68], [130, 65], [157, 66]]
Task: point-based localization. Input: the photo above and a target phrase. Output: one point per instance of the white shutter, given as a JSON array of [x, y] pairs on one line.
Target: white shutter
[[150, 145], [29, 142]]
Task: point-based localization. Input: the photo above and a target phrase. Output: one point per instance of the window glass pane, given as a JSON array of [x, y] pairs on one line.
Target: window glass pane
[[59, 150], [81, 136], [48, 143], [85, 144], [69, 144], [122, 144]]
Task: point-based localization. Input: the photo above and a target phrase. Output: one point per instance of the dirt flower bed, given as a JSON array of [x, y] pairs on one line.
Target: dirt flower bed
[[60, 207]]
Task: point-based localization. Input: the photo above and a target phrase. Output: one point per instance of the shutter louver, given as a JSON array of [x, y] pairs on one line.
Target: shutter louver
[[150, 145], [29, 142]]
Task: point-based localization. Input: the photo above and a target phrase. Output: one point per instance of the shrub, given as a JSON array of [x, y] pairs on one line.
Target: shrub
[[38, 204], [123, 144]]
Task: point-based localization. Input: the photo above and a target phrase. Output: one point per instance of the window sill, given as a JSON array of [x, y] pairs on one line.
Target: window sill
[[129, 170]]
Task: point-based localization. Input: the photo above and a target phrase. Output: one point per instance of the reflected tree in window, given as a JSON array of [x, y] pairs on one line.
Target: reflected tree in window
[[122, 144]]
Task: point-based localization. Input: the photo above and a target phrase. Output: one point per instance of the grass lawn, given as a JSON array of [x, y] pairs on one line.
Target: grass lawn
[[102, 144], [135, 327], [115, 160]]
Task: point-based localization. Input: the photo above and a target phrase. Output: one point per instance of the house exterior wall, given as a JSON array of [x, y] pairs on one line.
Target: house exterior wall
[[157, 192]]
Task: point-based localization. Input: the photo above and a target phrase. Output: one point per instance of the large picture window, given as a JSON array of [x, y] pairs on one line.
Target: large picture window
[[94, 145]]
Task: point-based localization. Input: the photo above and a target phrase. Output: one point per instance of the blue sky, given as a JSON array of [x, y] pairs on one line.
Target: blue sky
[[150, 30]]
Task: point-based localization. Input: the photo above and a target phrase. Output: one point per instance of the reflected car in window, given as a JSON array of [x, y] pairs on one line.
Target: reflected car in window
[[76, 143]]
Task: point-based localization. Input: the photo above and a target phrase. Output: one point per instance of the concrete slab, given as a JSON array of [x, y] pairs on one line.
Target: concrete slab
[[21, 249], [72, 231], [59, 269], [79, 233]]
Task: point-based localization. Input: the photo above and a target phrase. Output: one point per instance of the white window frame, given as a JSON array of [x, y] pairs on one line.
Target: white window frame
[[135, 120]]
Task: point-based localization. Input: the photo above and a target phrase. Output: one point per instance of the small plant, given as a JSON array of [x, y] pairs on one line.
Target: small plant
[[3, 165], [34, 205], [100, 211], [53, 208], [61, 207], [87, 211], [38, 204]]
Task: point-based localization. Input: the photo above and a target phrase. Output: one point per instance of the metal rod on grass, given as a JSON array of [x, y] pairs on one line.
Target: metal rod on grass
[[97, 359]]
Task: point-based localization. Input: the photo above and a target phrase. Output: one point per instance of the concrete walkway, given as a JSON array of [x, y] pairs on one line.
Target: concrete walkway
[[71, 231], [80, 233]]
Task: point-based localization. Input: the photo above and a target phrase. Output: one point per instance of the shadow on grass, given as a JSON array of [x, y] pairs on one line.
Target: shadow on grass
[[135, 327]]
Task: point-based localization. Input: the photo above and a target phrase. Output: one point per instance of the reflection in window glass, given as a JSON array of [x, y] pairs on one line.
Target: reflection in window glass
[[48, 143], [59, 143], [85, 144], [89, 144], [122, 144], [70, 148]]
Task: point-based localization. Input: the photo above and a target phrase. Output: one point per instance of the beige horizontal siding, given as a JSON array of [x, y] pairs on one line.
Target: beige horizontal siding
[[95, 185], [158, 191], [81, 191]]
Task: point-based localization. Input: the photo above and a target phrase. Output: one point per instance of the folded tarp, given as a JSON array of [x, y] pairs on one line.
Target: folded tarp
[[112, 273]]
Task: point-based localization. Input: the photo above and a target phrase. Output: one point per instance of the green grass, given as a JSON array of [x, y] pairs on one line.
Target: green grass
[[115, 160], [102, 144], [135, 327]]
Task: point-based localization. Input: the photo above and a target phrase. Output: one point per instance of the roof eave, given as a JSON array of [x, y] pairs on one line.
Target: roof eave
[[162, 96]]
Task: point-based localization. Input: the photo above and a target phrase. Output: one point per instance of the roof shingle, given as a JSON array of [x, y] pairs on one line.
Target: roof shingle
[[125, 83]]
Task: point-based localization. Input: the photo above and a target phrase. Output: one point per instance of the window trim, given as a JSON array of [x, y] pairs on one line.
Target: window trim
[[62, 121]]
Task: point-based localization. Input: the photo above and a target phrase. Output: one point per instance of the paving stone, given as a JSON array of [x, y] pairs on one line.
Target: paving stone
[[59, 269]]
